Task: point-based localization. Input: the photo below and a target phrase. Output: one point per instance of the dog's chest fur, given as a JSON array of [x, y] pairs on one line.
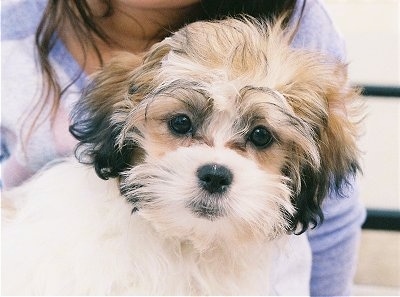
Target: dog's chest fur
[[96, 246]]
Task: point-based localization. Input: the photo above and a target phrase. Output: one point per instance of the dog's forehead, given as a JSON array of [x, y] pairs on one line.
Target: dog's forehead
[[217, 83], [223, 93]]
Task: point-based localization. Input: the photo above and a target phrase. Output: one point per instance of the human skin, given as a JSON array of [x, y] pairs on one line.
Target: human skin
[[133, 26]]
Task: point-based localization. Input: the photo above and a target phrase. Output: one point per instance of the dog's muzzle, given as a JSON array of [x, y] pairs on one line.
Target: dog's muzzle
[[214, 181]]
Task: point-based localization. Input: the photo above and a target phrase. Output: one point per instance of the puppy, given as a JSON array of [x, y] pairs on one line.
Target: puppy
[[208, 158]]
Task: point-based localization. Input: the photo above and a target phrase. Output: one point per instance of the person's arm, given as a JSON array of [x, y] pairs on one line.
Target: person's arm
[[335, 243]]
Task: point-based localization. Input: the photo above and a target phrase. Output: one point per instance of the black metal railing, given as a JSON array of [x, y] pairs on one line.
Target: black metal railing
[[380, 91], [382, 219]]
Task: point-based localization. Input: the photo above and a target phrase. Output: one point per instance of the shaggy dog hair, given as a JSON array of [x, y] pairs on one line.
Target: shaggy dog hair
[[211, 153]]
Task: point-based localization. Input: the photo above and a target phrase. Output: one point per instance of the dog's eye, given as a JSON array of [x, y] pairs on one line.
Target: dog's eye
[[180, 124], [261, 137]]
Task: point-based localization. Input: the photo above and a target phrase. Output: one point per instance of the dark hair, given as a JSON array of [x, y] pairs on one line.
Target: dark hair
[[77, 13], [255, 8]]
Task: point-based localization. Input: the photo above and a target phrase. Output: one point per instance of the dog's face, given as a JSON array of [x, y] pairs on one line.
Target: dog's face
[[223, 131]]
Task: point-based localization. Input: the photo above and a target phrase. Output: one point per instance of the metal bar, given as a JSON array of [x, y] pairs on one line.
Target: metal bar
[[385, 220], [380, 90]]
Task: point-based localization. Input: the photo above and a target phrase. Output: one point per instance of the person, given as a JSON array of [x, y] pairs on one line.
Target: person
[[50, 49]]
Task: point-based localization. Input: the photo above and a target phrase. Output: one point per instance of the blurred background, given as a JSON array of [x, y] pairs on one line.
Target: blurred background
[[371, 29]]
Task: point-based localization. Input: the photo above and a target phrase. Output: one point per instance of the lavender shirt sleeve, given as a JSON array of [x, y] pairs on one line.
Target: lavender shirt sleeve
[[335, 243]]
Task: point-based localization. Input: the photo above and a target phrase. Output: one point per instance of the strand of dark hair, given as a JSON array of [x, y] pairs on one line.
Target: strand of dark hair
[[57, 14]]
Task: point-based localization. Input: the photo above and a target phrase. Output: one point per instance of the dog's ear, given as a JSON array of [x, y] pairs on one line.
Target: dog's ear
[[334, 119], [92, 118], [99, 117]]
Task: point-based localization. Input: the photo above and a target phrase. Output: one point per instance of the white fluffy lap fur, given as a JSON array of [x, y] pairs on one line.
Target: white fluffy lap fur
[[64, 239], [81, 238]]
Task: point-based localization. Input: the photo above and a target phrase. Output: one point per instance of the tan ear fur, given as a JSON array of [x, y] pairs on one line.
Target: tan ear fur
[[339, 151], [92, 118]]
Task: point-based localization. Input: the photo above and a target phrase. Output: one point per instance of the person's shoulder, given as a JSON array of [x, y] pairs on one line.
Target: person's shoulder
[[317, 30], [20, 18]]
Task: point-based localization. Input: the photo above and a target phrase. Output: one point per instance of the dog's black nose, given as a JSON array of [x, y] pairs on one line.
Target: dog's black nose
[[214, 178]]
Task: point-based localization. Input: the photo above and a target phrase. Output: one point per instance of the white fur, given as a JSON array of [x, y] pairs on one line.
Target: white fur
[[81, 238]]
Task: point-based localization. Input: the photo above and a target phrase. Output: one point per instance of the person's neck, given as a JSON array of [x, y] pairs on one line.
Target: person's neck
[[129, 29], [135, 29]]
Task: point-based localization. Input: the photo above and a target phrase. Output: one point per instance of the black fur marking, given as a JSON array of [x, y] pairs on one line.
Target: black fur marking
[[97, 137], [308, 201], [128, 190], [98, 146]]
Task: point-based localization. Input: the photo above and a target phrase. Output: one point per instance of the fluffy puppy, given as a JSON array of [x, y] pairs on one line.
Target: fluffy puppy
[[209, 155]]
